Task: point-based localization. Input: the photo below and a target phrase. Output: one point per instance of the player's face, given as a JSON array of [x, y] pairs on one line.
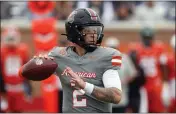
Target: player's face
[[11, 41], [147, 41], [91, 34]]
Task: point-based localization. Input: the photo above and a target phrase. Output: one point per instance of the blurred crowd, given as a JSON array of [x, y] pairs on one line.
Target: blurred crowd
[[108, 10]]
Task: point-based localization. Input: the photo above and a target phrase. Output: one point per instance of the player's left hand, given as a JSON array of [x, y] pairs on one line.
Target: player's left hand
[[76, 81]]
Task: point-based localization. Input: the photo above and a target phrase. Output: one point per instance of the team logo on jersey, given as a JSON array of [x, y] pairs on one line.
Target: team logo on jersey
[[116, 61], [63, 52], [80, 74], [92, 57]]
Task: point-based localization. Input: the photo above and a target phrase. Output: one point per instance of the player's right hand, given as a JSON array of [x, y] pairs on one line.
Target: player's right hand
[[76, 81], [45, 56]]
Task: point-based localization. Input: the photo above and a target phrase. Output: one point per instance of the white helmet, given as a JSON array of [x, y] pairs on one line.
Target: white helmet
[[112, 42], [172, 42]]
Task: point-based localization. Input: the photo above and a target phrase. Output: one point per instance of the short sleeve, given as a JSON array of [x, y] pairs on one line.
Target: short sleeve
[[114, 61], [51, 53]]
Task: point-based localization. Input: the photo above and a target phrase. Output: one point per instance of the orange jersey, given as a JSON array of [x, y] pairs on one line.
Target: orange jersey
[[171, 66], [44, 33], [45, 41], [149, 60], [11, 61]]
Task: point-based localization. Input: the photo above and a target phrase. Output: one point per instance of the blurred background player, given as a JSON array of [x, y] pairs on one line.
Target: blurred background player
[[136, 85], [3, 102], [149, 56], [13, 55], [171, 76], [127, 73], [44, 39]]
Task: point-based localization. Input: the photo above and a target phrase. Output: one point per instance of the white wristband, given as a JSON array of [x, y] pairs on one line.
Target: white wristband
[[88, 88]]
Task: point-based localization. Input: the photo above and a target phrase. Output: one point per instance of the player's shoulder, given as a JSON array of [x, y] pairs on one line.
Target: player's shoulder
[[159, 47], [109, 58], [108, 54], [57, 51], [134, 46], [159, 44], [107, 51]]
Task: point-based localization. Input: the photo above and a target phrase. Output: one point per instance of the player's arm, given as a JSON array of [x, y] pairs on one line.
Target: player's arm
[[2, 87], [163, 65], [112, 91]]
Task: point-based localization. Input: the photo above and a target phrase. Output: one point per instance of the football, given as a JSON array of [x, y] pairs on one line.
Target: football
[[38, 69]]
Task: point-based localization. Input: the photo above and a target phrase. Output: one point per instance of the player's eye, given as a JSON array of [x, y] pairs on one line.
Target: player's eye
[[89, 31]]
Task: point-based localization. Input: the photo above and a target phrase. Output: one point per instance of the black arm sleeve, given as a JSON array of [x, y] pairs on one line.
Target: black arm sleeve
[[140, 78], [134, 85], [2, 85]]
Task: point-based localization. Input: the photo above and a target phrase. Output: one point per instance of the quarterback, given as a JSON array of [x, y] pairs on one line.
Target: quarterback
[[88, 72]]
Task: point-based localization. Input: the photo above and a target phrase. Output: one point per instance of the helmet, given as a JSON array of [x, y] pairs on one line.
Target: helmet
[[147, 36], [77, 21]]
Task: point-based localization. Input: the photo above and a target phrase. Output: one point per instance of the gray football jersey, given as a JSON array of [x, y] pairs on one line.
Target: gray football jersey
[[90, 67]]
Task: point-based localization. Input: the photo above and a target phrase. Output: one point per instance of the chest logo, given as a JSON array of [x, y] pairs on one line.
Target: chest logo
[[81, 74], [63, 52]]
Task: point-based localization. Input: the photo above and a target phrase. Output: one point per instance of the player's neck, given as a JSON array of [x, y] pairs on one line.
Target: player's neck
[[80, 51]]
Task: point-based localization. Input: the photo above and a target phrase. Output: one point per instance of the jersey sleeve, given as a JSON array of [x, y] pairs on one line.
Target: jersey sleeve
[[57, 52], [52, 52], [114, 61]]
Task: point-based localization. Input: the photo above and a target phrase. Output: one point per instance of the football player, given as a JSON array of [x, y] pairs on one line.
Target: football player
[[3, 102], [135, 97], [150, 59], [45, 38], [171, 76], [13, 55], [88, 72]]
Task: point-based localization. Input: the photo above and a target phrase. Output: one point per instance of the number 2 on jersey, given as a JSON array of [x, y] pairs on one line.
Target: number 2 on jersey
[[76, 102]]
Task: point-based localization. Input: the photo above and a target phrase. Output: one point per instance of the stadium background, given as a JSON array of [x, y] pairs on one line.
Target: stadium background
[[123, 23]]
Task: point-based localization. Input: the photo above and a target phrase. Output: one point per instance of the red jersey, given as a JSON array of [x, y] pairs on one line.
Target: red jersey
[[171, 65], [149, 58], [11, 60], [44, 33]]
